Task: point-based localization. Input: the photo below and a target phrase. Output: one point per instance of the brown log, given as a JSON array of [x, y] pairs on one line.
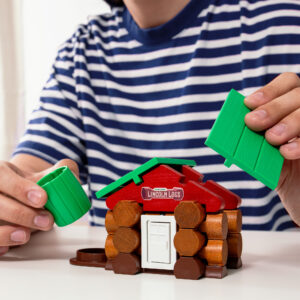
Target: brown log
[[110, 250], [110, 223], [215, 272], [126, 263], [234, 262], [234, 220], [188, 242], [108, 265], [235, 244], [126, 239], [215, 252], [189, 268], [189, 214], [215, 226], [127, 213]]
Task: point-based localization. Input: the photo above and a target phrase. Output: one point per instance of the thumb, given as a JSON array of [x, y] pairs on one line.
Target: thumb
[[71, 164]]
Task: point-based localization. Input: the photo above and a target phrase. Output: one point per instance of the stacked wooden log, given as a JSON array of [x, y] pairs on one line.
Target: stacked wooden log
[[215, 252], [234, 238], [206, 243], [188, 240], [122, 246]]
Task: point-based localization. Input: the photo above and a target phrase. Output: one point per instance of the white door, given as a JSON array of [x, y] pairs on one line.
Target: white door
[[158, 251], [159, 242]]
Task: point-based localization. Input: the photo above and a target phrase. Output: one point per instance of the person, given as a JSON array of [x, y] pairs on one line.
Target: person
[[148, 80]]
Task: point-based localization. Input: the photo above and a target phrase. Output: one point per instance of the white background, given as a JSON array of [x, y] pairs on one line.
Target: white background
[[46, 25]]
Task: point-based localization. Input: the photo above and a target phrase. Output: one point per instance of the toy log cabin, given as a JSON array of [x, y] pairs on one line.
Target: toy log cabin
[[164, 218]]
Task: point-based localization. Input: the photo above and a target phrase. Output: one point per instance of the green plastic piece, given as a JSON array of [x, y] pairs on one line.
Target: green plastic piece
[[243, 147], [136, 174], [67, 200]]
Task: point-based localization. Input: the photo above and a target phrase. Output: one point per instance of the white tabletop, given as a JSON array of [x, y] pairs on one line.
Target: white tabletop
[[41, 270]]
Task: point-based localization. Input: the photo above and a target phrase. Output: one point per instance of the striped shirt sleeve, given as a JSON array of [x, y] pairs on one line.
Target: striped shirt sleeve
[[55, 130]]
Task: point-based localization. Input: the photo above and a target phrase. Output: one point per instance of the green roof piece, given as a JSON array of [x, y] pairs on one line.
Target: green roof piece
[[135, 175], [243, 147]]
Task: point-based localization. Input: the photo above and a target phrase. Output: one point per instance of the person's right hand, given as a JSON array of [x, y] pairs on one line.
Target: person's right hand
[[22, 202]]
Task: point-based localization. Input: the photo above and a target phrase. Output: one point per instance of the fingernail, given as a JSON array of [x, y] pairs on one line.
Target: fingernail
[[291, 146], [256, 98], [41, 221], [258, 114], [18, 236], [279, 129], [34, 197]]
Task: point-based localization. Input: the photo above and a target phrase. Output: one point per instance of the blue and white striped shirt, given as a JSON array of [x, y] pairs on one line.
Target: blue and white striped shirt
[[119, 95]]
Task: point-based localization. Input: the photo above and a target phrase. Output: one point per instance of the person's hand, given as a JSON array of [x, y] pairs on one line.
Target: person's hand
[[276, 109], [22, 202]]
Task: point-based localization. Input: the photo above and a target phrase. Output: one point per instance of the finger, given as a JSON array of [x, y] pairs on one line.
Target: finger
[[279, 86], [22, 173], [291, 150], [13, 235], [20, 188], [269, 114], [3, 250], [71, 164], [286, 167], [15, 212], [287, 129]]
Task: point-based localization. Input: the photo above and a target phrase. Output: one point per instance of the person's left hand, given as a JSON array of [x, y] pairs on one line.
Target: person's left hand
[[276, 109]]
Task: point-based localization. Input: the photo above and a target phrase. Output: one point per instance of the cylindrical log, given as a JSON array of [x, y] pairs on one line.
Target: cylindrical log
[[126, 263], [215, 226], [110, 250], [127, 213], [110, 223], [215, 252], [234, 220], [188, 242], [215, 272], [108, 265], [126, 239], [235, 244], [234, 262], [189, 214], [189, 268]]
